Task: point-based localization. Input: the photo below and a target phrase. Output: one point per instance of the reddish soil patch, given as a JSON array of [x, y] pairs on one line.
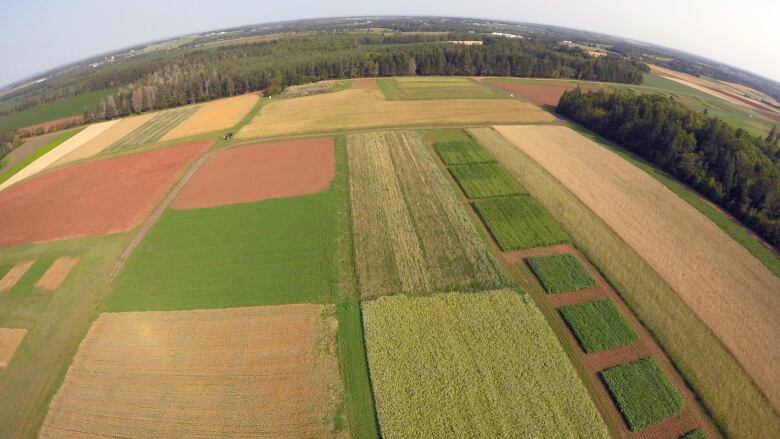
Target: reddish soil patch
[[57, 273], [539, 94], [260, 172], [94, 198], [52, 125], [364, 83]]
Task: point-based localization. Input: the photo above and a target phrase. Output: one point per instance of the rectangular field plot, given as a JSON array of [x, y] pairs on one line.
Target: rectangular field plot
[[560, 273], [484, 180], [476, 365], [642, 392], [10, 339], [598, 325], [411, 234], [241, 372], [459, 152], [56, 274], [519, 223], [215, 115], [153, 129], [94, 198], [411, 88]]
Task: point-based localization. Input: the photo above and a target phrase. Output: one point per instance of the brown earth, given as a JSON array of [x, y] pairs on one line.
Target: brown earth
[[364, 83], [52, 125], [14, 274], [99, 197], [540, 94], [57, 273], [268, 371], [28, 147], [259, 172], [10, 339], [690, 418]]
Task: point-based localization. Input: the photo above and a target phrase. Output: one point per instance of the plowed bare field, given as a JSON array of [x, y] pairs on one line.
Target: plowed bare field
[[539, 94], [723, 284], [259, 172], [10, 339], [107, 138], [57, 273], [267, 371], [215, 115], [99, 197]]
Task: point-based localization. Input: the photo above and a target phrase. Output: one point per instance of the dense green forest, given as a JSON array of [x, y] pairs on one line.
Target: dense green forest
[[736, 170]]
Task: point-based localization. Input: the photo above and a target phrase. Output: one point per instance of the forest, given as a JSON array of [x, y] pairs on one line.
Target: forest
[[732, 168]]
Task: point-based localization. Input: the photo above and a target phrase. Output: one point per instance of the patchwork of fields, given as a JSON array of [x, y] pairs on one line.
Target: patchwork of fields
[[155, 128]]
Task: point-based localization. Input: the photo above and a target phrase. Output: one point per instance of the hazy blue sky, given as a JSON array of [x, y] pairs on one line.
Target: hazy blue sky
[[36, 35]]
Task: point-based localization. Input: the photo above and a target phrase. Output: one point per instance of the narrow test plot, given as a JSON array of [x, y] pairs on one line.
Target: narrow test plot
[[13, 275], [560, 273], [484, 180], [475, 365], [598, 325], [57, 273], [460, 152], [10, 339], [239, 372], [259, 172], [426, 87], [519, 223], [642, 392]]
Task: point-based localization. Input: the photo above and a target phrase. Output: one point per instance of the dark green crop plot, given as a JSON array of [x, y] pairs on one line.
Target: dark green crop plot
[[483, 180], [560, 273], [519, 223], [598, 325], [642, 392], [694, 434], [459, 152]]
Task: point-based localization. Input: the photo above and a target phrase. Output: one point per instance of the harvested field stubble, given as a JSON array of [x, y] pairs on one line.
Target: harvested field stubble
[[560, 273], [483, 180], [411, 234], [10, 339], [598, 325], [725, 389], [250, 372], [215, 115], [519, 223], [448, 366], [57, 273], [723, 284]]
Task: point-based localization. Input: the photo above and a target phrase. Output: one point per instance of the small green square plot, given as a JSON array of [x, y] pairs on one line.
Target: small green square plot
[[519, 223], [483, 180], [642, 392], [459, 152], [598, 325], [560, 273]]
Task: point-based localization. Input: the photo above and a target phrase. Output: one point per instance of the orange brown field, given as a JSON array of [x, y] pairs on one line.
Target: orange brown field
[[723, 284], [10, 339], [167, 374], [215, 115], [14, 274], [57, 273], [539, 93]]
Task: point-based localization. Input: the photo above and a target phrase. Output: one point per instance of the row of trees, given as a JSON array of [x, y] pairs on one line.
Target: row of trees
[[736, 170], [8, 141]]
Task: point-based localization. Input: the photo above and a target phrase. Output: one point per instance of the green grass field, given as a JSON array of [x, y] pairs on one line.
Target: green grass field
[[449, 366], [598, 325], [484, 180], [72, 106], [519, 223], [560, 273], [18, 166], [435, 87], [154, 128], [731, 397], [642, 392], [459, 152]]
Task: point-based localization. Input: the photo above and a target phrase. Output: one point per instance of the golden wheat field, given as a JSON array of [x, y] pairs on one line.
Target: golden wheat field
[[107, 138], [724, 285], [355, 109], [215, 115]]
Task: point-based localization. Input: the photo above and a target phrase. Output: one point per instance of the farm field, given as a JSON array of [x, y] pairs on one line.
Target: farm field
[[518, 223], [72, 106], [357, 109], [737, 406], [460, 152], [723, 284], [10, 339], [539, 92], [215, 115], [560, 273], [21, 152], [58, 139], [189, 361], [421, 349], [598, 325], [100, 197], [484, 180], [262, 171], [441, 87], [155, 128], [411, 235], [642, 391], [105, 139]]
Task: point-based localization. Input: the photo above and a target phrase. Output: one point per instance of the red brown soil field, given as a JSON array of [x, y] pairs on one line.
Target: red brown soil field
[[57, 273], [52, 125], [539, 94], [14, 274], [259, 172], [364, 83], [94, 198], [10, 339]]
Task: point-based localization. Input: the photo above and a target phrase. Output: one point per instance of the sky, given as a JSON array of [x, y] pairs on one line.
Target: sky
[[37, 35]]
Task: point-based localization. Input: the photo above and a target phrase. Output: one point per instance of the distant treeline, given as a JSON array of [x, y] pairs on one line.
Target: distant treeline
[[8, 141], [736, 170], [211, 73]]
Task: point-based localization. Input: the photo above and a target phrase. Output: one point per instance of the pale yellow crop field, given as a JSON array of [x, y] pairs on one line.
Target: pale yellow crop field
[[723, 284], [215, 115], [355, 109]]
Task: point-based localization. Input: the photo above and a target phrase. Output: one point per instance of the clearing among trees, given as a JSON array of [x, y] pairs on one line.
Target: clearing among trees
[[259, 172], [99, 197], [10, 339], [476, 365], [167, 374], [215, 115], [57, 273]]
